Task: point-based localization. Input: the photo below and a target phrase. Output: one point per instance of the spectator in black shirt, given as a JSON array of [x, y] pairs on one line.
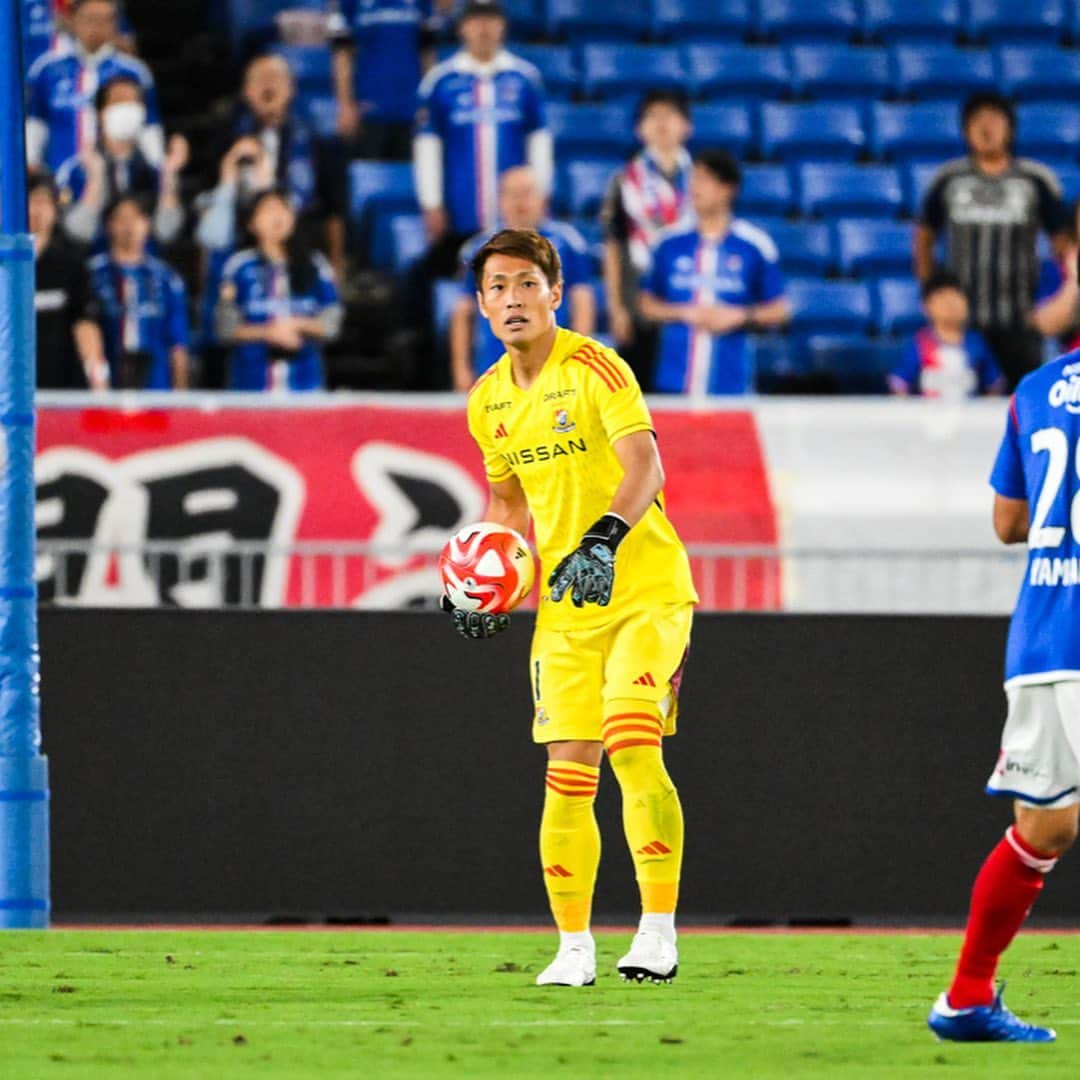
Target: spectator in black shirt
[[991, 207], [70, 350]]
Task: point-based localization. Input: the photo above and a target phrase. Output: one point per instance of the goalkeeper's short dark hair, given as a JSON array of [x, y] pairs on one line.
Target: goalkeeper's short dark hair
[[721, 164], [525, 244]]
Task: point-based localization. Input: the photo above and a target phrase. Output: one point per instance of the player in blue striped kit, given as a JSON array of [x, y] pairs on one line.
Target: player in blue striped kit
[[143, 305], [61, 86], [1036, 480], [277, 304], [710, 283]]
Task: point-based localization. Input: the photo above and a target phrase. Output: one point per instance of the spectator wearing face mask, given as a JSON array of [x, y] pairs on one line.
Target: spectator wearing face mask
[[90, 182], [61, 88]]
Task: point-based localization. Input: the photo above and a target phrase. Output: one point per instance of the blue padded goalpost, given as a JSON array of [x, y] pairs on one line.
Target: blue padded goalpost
[[24, 794]]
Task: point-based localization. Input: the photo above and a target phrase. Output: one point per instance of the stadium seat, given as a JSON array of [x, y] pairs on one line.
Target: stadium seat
[[446, 295], [310, 65], [580, 185], [840, 71], [829, 307], [408, 240], [725, 71], [380, 187], [321, 112], [728, 20], [589, 129], [728, 126], [806, 247], [899, 306], [766, 189], [1068, 174], [774, 360], [527, 19], [613, 70], [808, 20], [859, 364], [1039, 73], [916, 181], [890, 21], [873, 248], [1008, 20], [927, 130], [838, 189], [941, 71], [818, 132], [558, 66], [580, 20], [1047, 130], [251, 22]]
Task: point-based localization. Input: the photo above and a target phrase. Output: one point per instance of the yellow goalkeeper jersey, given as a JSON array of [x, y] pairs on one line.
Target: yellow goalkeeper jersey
[[557, 438]]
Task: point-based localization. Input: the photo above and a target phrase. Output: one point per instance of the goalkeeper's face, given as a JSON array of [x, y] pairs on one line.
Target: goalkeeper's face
[[517, 300]]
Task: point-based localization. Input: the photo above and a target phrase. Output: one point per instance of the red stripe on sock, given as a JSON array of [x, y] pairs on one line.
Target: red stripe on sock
[[627, 743], [571, 792]]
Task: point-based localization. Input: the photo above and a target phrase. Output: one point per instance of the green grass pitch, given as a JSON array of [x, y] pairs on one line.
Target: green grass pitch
[[432, 1004]]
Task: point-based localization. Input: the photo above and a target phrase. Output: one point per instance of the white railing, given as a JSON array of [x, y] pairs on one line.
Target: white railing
[[211, 572]]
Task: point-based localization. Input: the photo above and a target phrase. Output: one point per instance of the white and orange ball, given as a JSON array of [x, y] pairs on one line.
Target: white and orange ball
[[487, 567]]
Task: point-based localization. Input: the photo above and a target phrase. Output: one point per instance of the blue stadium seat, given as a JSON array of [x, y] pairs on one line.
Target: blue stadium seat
[[819, 132], [558, 66], [725, 71], [380, 187], [527, 19], [840, 71], [808, 20], [1068, 173], [916, 181], [613, 70], [310, 65], [829, 307], [766, 189], [806, 247], [1047, 130], [774, 359], [580, 20], [251, 22], [1009, 20], [941, 71], [728, 20], [859, 364], [592, 128], [580, 185], [852, 190], [899, 306], [1039, 73], [321, 112], [929, 130], [890, 21], [873, 248], [728, 126], [408, 240], [446, 295]]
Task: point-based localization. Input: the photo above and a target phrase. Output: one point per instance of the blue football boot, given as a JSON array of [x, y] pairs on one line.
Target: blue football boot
[[984, 1023]]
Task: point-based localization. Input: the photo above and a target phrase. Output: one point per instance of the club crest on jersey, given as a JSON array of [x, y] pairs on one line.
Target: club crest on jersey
[[563, 423]]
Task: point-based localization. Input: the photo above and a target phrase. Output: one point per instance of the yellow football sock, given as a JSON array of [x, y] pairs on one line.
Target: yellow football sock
[[570, 842], [652, 813]]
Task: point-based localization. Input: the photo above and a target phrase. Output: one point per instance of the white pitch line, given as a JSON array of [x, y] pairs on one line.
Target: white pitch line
[[15, 1021]]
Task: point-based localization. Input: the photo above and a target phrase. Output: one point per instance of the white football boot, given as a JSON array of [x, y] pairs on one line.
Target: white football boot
[[574, 965], [651, 958]]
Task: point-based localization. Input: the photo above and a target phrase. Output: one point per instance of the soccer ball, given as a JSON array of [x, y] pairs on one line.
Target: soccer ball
[[487, 567]]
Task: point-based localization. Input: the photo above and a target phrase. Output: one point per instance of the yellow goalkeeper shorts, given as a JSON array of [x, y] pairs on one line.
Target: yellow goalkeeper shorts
[[575, 674]]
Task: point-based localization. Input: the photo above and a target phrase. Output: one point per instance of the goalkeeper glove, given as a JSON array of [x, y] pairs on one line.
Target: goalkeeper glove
[[475, 624], [588, 572]]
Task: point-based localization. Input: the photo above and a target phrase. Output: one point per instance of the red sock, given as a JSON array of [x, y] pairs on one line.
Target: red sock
[[1004, 891]]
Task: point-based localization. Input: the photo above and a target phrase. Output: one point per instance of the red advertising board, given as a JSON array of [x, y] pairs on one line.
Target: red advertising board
[[211, 482]]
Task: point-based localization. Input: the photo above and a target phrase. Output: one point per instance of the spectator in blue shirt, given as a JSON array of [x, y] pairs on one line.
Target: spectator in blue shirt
[[473, 347], [377, 46], [61, 118], [93, 180], [142, 305], [946, 359], [710, 283], [277, 304]]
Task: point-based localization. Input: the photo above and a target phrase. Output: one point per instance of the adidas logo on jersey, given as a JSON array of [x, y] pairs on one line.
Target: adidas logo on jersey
[[501, 432], [645, 680]]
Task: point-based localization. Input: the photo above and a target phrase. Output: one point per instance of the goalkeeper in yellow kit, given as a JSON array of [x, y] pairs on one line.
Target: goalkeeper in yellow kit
[[567, 438]]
